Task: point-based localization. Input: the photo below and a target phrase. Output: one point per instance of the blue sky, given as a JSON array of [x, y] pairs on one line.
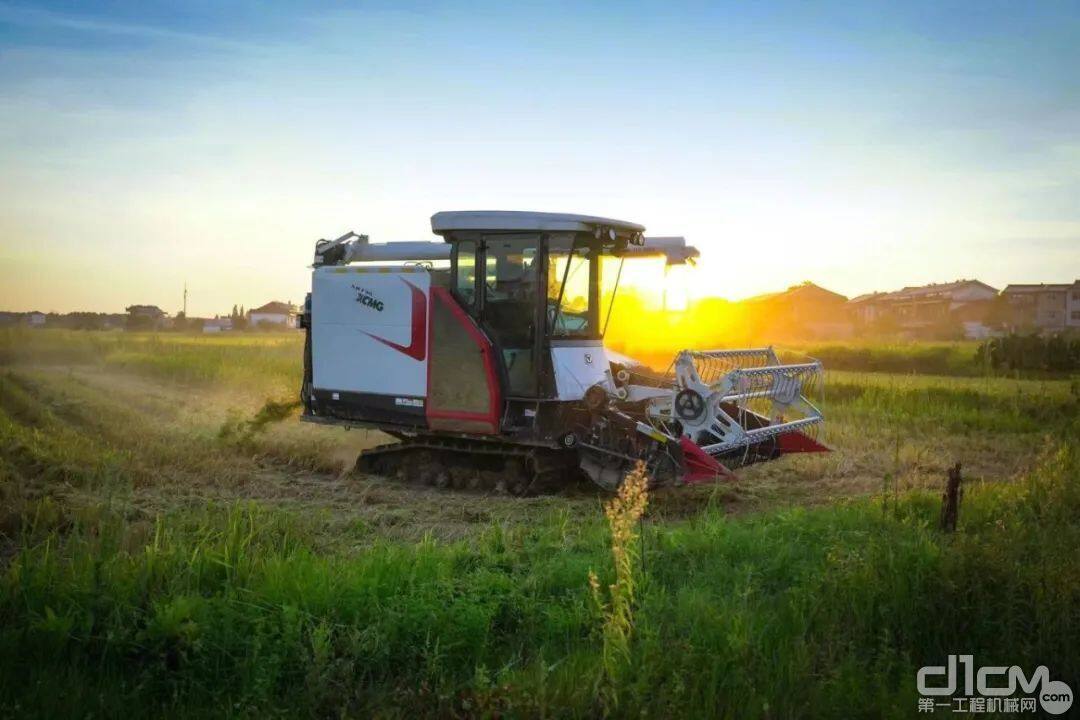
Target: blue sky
[[860, 145]]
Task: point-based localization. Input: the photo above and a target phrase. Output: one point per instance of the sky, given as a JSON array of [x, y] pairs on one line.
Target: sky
[[861, 145]]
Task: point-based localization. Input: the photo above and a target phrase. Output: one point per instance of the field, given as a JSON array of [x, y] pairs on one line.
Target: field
[[163, 554]]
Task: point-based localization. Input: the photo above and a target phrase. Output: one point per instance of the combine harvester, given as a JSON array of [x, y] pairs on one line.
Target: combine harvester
[[492, 372]]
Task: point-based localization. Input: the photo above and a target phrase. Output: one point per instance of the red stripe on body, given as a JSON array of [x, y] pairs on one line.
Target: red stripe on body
[[417, 347]]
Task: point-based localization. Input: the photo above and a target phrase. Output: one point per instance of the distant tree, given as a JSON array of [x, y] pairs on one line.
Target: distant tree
[[84, 321], [239, 320], [1057, 353], [139, 322]]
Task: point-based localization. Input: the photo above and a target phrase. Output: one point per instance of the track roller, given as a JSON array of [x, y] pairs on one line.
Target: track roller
[[460, 464]]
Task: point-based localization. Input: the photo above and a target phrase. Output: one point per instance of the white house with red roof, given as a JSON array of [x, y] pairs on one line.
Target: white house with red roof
[[273, 313]]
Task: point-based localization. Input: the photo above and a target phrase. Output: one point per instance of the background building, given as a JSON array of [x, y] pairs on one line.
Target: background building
[[962, 307], [273, 313], [146, 317], [216, 325], [805, 310], [1044, 307]]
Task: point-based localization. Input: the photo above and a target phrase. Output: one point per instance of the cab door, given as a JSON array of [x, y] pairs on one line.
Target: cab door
[[464, 393], [512, 307]]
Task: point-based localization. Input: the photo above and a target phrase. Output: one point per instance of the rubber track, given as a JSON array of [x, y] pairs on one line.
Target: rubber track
[[452, 462]]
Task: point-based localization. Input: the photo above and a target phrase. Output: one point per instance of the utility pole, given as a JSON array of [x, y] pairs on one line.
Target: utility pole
[[185, 298]]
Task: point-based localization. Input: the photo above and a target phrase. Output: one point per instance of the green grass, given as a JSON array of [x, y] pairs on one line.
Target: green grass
[[953, 405], [151, 565], [229, 609]]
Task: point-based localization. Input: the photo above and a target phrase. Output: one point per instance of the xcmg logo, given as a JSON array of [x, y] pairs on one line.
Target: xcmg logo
[[364, 297], [990, 689]]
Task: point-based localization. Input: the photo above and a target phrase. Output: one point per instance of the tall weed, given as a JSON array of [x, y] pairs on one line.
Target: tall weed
[[616, 606]]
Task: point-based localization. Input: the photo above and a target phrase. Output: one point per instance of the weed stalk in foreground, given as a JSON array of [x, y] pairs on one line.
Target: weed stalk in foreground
[[617, 611]]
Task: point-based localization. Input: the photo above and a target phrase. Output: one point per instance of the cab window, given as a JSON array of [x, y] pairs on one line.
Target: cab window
[[511, 297], [465, 272], [569, 293]]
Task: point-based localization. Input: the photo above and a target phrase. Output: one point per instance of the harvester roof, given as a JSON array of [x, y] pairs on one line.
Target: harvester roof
[[517, 221]]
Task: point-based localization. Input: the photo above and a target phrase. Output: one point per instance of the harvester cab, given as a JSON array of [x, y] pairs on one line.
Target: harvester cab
[[483, 356]]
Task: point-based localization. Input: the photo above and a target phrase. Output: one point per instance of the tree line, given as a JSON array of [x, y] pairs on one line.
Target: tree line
[[1055, 353]]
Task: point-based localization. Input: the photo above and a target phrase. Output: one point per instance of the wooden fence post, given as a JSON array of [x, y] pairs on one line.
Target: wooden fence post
[[950, 499]]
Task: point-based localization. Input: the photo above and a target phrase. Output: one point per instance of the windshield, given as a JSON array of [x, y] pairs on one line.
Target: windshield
[[569, 296]]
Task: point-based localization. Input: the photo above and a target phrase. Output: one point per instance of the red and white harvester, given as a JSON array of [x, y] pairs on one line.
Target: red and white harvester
[[483, 356]]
